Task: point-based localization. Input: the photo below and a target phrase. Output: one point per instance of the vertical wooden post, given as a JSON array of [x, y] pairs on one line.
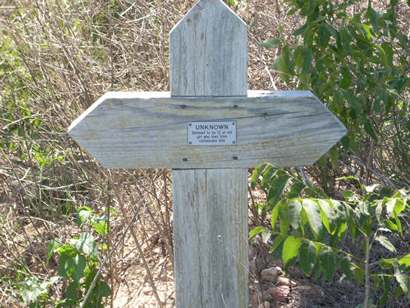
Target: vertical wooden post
[[208, 55]]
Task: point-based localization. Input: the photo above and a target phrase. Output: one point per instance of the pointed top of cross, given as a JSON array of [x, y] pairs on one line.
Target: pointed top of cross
[[208, 52], [210, 5]]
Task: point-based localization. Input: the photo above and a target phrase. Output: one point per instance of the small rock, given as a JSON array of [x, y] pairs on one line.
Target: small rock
[[279, 294], [270, 274], [281, 273], [283, 281], [157, 250]]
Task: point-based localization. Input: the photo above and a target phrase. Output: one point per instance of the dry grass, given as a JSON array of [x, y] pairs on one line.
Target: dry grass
[[65, 54]]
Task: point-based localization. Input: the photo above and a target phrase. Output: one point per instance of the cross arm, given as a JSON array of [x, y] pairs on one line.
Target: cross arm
[[150, 130]]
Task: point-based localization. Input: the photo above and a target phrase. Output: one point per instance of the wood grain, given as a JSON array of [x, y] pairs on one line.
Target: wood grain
[[209, 52], [208, 56], [143, 129], [211, 234]]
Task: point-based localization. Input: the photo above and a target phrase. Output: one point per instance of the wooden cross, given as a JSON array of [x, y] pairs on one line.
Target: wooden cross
[[209, 129]]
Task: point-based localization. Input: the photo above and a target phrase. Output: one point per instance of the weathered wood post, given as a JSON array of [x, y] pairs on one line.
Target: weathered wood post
[[209, 130], [209, 57]]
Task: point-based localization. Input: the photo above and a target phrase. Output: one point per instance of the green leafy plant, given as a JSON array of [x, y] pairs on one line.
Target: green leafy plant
[[313, 233], [35, 291], [78, 263], [355, 59], [358, 64]]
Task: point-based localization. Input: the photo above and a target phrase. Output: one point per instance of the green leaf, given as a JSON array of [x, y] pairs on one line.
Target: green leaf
[[275, 214], [101, 227], [383, 283], [255, 231], [399, 226], [271, 43], [295, 190], [86, 244], [346, 80], [388, 54], [405, 261], [283, 64], [278, 185], [79, 266], [65, 265], [277, 242], [256, 173], [344, 40], [346, 267], [300, 30], [102, 289], [307, 61], [328, 262], [399, 207], [284, 218], [268, 173], [327, 214], [290, 249], [368, 31], [72, 293], [312, 210], [307, 257], [394, 207], [33, 289], [71, 266], [66, 249], [392, 226], [324, 35], [231, 2], [384, 241], [294, 209], [378, 211], [403, 280], [85, 214], [373, 16]]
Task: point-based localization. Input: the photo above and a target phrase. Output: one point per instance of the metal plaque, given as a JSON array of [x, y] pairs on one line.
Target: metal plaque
[[212, 133]]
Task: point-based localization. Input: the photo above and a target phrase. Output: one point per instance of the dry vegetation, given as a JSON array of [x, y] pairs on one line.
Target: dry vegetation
[[58, 58]]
